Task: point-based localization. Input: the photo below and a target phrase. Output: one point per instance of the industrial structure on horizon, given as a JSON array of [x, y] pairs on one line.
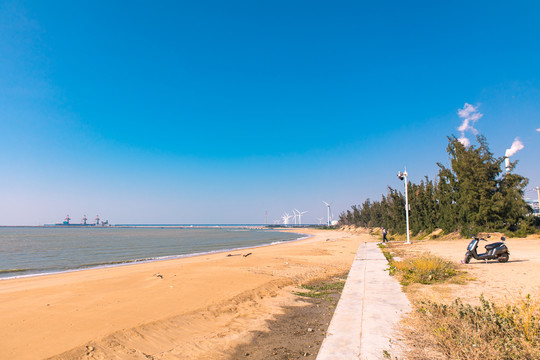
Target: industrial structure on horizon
[[97, 222]]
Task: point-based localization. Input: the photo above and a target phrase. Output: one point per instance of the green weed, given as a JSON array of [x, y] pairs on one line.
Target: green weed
[[320, 290]]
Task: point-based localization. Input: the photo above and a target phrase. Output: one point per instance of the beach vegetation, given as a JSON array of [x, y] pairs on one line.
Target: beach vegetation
[[326, 227], [486, 331], [390, 258], [470, 195], [424, 269], [323, 289]]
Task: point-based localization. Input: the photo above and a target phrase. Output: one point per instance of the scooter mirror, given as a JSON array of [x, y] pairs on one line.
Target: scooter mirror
[[503, 238], [489, 236]]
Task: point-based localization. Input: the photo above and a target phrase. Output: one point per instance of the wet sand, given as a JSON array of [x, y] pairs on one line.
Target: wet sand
[[192, 308]]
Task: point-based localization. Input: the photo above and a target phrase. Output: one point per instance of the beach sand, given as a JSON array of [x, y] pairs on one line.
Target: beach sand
[[193, 308], [501, 282]]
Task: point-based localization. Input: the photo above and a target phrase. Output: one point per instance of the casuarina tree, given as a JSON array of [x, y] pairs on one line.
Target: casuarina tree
[[470, 195]]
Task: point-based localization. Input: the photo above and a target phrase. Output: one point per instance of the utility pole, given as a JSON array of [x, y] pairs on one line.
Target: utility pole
[[266, 217], [403, 176]]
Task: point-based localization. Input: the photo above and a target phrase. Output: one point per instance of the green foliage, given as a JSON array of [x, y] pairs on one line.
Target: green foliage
[[487, 331], [472, 195], [389, 211]]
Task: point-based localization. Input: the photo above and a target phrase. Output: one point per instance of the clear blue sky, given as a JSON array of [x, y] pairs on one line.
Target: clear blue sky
[[216, 111]]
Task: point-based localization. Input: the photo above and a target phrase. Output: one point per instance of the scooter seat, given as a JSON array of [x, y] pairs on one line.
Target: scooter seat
[[493, 246]]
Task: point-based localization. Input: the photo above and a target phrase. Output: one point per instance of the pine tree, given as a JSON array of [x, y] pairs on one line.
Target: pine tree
[[475, 171], [429, 206], [446, 200], [510, 202]]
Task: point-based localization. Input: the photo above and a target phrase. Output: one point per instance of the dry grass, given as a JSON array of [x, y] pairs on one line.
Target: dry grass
[[460, 331], [424, 269], [456, 330]]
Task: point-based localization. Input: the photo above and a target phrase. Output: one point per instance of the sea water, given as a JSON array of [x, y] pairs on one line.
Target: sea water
[[42, 250]]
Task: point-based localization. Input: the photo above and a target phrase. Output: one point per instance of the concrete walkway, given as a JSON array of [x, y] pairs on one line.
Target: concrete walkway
[[368, 311]]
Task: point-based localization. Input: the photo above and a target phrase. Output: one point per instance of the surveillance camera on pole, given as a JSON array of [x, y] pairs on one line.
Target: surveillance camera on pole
[[403, 176]]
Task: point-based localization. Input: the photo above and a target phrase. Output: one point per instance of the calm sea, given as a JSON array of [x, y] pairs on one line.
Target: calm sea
[[39, 250]]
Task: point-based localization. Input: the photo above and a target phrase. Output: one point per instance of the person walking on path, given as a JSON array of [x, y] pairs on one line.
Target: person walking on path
[[384, 232]]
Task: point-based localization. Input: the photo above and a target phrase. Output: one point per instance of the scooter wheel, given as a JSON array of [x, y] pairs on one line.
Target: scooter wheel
[[503, 257], [467, 259]]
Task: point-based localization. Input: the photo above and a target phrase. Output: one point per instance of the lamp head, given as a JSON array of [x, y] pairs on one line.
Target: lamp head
[[400, 175]]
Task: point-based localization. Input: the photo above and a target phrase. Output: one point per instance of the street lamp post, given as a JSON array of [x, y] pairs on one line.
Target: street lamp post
[[403, 176]]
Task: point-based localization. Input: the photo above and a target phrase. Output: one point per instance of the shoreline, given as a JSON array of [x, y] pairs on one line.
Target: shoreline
[[199, 307], [150, 260]]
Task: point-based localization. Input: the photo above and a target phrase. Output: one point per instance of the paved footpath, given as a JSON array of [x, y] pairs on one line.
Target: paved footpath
[[368, 311]]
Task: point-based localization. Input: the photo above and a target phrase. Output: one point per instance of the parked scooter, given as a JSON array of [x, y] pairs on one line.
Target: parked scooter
[[497, 250]]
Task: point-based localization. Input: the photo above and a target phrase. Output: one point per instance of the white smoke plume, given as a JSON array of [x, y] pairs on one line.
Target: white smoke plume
[[466, 142], [470, 115], [516, 146], [538, 129]]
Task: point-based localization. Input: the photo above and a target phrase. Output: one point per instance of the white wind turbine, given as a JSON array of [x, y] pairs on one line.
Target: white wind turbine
[[299, 214], [328, 215], [286, 218], [320, 220], [295, 215]]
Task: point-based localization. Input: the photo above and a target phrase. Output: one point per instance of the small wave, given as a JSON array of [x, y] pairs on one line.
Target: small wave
[[105, 263], [9, 271]]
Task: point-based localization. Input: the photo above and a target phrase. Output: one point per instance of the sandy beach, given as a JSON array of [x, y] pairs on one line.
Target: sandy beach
[[191, 308], [496, 281]]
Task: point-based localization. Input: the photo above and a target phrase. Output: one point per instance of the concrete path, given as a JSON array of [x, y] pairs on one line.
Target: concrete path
[[368, 311]]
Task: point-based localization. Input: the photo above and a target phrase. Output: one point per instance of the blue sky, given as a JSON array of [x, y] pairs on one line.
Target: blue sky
[[215, 112]]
